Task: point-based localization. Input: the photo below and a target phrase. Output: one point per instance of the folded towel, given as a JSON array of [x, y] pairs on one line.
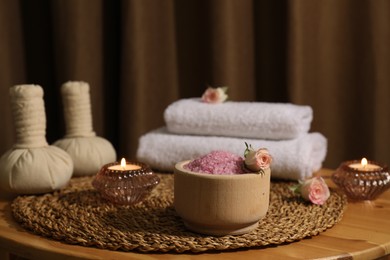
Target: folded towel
[[258, 120], [293, 159]]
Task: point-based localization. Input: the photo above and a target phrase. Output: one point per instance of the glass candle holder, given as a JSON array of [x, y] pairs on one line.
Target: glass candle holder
[[361, 183], [126, 186]]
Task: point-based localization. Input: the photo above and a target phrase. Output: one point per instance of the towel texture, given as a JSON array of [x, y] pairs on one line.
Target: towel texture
[[293, 159], [258, 120]]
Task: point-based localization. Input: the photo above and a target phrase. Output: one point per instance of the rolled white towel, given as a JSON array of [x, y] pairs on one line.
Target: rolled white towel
[[293, 159], [258, 120]]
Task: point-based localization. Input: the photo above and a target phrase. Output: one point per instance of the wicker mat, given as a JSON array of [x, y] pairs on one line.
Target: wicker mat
[[78, 215]]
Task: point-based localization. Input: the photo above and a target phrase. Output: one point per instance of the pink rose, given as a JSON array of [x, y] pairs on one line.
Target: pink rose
[[257, 160], [315, 190], [215, 95]]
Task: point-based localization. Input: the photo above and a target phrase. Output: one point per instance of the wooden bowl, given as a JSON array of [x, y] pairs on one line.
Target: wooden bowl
[[220, 204]]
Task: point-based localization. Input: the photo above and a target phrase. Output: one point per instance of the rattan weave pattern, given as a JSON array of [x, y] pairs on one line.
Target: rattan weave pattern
[[79, 215]]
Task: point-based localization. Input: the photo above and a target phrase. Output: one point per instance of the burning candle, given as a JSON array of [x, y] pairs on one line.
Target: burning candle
[[365, 166], [364, 180], [126, 182], [124, 166]]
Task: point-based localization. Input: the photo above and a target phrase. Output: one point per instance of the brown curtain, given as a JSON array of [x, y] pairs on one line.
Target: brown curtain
[[139, 56]]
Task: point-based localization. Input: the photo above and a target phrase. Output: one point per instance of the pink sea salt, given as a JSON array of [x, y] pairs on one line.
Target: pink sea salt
[[217, 162]]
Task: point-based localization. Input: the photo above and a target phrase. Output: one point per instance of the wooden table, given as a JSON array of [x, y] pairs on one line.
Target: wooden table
[[363, 233]]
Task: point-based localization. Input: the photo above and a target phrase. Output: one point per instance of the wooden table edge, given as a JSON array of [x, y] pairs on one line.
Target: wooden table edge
[[16, 240]]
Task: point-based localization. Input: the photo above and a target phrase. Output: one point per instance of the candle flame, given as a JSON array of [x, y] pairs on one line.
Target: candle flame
[[123, 163], [364, 162]]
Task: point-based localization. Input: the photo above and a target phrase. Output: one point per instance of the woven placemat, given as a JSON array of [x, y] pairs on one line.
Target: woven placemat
[[79, 215]]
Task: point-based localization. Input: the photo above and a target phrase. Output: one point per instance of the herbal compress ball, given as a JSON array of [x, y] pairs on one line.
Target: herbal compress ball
[[88, 151], [32, 166]]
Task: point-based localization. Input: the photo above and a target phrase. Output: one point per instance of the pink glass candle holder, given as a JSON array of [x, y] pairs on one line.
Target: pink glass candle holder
[[126, 185], [361, 182]]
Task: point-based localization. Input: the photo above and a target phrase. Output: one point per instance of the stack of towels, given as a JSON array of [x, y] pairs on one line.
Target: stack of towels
[[194, 128]]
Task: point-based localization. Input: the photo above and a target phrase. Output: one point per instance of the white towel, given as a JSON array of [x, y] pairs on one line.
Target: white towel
[[258, 120], [292, 159]]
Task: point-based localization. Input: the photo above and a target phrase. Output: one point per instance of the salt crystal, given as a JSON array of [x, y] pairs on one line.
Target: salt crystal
[[217, 162]]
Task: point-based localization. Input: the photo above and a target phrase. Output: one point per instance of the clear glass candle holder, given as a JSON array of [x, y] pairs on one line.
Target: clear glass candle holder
[[126, 187], [362, 184]]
